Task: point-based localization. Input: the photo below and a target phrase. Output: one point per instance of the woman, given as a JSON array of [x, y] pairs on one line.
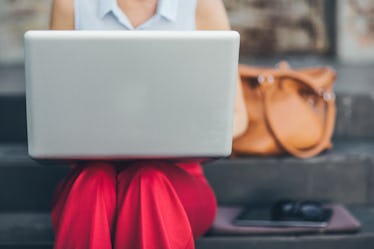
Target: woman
[[145, 204]]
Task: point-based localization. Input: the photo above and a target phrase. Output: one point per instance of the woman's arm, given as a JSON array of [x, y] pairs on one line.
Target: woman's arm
[[62, 15], [211, 15]]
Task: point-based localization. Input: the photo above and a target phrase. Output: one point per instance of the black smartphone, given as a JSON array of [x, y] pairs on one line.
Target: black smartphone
[[261, 216]]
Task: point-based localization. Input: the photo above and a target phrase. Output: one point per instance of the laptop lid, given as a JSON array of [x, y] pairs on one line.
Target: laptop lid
[[122, 95]]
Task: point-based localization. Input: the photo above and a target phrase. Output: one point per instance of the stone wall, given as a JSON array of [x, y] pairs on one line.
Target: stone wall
[[279, 26], [16, 17], [266, 26]]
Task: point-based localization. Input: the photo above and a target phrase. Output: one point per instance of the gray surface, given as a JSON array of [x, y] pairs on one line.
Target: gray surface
[[13, 119], [355, 100], [289, 178], [35, 229], [25, 228], [24, 183], [371, 184], [343, 174], [26, 186], [12, 80], [109, 94], [355, 117]]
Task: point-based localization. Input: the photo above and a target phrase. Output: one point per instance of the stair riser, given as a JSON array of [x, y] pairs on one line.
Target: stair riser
[[13, 119], [355, 117], [259, 181], [264, 181], [341, 243], [28, 188], [31, 246]]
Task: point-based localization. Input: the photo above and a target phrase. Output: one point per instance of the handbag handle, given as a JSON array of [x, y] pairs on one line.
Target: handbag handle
[[284, 72], [320, 146]]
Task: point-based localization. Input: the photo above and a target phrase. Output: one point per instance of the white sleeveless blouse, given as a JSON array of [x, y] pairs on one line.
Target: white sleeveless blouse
[[106, 15]]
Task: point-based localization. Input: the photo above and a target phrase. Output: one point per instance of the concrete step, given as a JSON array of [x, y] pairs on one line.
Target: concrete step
[[344, 174], [354, 86], [355, 117], [25, 229], [34, 230], [13, 118], [24, 183]]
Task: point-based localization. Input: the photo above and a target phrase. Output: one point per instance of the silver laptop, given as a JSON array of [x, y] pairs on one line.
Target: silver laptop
[[127, 95]]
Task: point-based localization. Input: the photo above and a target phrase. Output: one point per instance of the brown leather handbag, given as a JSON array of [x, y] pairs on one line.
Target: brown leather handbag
[[290, 111]]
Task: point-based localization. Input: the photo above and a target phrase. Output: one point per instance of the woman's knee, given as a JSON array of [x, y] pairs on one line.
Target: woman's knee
[[147, 170], [99, 172]]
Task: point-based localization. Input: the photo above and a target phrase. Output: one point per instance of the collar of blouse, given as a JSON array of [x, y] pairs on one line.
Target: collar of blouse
[[166, 9]]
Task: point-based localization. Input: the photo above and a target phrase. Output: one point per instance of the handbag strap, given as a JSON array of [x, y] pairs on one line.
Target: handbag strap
[[320, 146], [284, 71], [328, 97]]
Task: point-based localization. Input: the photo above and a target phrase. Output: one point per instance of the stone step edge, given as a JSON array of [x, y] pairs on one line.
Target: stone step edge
[[15, 155], [355, 118]]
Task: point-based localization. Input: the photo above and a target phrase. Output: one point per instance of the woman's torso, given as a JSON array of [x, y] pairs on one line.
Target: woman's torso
[[106, 15]]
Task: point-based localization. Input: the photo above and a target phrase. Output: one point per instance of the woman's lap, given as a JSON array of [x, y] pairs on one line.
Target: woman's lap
[[187, 181], [193, 190], [83, 210]]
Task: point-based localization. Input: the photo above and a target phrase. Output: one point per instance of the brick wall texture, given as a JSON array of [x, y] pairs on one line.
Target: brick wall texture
[[279, 26], [16, 17], [266, 26]]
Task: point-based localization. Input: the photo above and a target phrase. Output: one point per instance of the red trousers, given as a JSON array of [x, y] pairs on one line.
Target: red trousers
[[144, 205]]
